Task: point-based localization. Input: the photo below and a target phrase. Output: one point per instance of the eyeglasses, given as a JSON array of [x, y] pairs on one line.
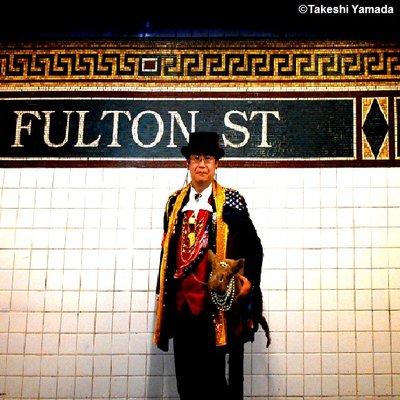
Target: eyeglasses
[[196, 158]]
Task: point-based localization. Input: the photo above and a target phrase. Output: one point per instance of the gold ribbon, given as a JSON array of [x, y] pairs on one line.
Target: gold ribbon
[[220, 324], [163, 268]]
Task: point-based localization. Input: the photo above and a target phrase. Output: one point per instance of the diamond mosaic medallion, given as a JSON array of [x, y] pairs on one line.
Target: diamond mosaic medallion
[[375, 127]]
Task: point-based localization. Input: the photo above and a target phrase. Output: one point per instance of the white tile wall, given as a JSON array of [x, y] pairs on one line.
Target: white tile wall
[[79, 255]]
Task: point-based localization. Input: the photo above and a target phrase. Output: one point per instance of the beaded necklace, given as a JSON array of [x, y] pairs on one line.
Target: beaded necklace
[[223, 302]]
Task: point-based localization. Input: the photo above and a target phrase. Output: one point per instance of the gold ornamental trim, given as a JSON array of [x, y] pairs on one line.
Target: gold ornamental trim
[[163, 267], [222, 226], [182, 62], [220, 322]]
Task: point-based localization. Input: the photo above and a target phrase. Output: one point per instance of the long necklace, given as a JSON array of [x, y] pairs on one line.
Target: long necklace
[[189, 255], [223, 302], [193, 229]]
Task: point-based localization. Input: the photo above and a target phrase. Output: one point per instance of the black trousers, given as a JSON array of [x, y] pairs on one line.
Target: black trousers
[[200, 365], [235, 387]]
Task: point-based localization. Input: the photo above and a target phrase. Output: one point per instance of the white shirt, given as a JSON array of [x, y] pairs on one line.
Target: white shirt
[[201, 203]]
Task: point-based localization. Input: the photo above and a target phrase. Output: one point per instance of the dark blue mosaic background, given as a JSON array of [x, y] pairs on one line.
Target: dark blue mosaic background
[[306, 129]]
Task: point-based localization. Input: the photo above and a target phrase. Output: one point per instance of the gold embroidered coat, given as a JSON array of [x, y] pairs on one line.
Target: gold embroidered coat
[[234, 236]]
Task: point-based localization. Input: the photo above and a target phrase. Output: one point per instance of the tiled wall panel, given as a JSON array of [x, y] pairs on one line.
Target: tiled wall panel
[[79, 252]]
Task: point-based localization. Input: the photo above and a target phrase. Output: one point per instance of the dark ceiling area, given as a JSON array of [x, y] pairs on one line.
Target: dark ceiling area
[[119, 20]]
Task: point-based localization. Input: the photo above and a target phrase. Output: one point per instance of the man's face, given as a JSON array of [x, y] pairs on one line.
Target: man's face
[[202, 168]]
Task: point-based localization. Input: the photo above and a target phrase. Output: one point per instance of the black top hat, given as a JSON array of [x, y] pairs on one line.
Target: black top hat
[[203, 142]]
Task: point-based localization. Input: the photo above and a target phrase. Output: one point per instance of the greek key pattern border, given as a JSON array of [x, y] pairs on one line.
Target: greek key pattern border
[[191, 65]]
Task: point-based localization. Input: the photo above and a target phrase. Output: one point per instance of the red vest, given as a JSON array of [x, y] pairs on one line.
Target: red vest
[[192, 286]]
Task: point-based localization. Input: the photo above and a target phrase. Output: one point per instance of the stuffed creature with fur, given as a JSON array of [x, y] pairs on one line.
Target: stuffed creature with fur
[[224, 290], [222, 272]]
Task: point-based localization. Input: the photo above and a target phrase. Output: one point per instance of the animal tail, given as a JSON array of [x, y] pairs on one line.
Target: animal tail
[[264, 324]]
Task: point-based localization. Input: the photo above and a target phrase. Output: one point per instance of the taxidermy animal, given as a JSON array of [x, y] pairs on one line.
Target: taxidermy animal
[[224, 285]]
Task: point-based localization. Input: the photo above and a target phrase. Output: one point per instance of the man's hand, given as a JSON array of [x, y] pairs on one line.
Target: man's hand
[[245, 286]]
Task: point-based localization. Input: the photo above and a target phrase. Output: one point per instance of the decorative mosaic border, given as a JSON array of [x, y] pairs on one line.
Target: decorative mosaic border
[[190, 62]]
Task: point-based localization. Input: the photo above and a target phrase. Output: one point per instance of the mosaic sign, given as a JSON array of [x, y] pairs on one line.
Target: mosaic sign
[[133, 103], [155, 129]]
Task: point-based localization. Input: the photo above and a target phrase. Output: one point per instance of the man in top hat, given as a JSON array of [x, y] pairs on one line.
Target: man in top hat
[[204, 215]]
